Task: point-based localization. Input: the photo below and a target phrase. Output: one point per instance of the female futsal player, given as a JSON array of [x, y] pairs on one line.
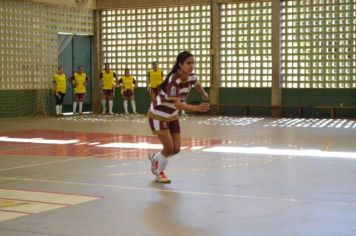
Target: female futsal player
[[59, 89], [79, 81], [127, 84], [163, 113]]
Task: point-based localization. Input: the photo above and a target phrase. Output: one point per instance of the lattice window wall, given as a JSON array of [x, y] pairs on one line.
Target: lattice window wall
[[134, 38], [318, 44], [29, 41], [246, 44]]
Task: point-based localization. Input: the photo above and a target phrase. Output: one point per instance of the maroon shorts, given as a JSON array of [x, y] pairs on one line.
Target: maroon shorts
[[158, 127], [108, 92], [79, 96], [153, 91], [128, 93]]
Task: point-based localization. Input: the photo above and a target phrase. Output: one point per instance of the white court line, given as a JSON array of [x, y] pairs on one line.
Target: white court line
[[45, 163], [291, 200]]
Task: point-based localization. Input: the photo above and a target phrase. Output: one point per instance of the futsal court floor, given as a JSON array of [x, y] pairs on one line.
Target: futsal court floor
[[89, 176]]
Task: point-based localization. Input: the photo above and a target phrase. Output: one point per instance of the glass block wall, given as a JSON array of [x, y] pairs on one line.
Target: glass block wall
[[134, 38], [29, 41], [318, 44], [246, 44]]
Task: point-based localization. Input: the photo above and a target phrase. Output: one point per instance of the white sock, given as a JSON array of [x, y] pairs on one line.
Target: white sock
[[125, 106], [162, 162], [80, 106], [74, 106], [57, 109], [111, 103], [60, 109], [103, 104], [133, 104]]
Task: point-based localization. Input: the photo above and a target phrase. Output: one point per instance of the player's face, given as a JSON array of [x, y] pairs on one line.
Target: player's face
[[187, 66], [107, 68], [127, 72], [80, 70], [155, 66], [60, 71]]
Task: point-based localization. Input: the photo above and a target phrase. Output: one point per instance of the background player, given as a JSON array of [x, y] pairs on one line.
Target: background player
[[79, 81], [127, 84], [59, 89], [154, 79], [107, 82]]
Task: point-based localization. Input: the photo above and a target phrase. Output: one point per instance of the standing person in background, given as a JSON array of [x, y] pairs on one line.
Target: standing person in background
[[154, 79], [79, 81], [59, 88], [163, 113], [127, 84], [107, 82]]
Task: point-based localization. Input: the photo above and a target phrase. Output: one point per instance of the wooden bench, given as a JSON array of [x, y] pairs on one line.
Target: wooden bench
[[247, 108], [333, 109]]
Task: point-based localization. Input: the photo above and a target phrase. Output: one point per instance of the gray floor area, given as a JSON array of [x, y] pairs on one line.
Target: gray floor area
[[280, 177]]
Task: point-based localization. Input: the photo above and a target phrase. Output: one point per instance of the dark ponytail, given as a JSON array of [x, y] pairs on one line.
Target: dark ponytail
[[179, 60]]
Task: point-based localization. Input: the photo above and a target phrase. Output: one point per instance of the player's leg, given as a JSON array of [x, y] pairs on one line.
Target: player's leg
[[133, 104], [125, 103], [103, 101], [58, 99], [81, 101], [75, 102]]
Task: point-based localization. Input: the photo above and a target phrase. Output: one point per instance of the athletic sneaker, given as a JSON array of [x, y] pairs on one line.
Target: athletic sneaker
[[154, 164], [163, 178], [111, 113]]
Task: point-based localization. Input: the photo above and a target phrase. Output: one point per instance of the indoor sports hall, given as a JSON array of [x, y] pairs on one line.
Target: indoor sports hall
[[274, 155]]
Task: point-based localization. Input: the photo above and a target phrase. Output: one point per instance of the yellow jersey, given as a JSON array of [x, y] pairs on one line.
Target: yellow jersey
[[127, 82], [61, 83], [108, 80], [156, 78], [80, 80]]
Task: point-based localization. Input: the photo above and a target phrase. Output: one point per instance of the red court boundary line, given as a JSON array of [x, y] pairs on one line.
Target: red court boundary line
[[21, 212], [37, 191], [23, 200]]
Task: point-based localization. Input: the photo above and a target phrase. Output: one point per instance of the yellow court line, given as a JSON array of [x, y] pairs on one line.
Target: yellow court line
[[45, 163], [45, 198], [249, 197], [10, 215]]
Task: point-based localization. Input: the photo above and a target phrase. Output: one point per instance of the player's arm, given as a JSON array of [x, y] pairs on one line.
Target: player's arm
[[134, 83], [202, 107], [201, 91], [100, 80], [72, 80], [54, 86], [148, 80], [86, 80]]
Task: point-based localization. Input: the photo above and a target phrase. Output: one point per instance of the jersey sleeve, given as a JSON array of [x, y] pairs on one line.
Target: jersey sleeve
[[173, 91]]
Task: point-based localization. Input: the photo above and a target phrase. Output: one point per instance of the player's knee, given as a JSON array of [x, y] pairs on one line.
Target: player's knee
[[175, 151]]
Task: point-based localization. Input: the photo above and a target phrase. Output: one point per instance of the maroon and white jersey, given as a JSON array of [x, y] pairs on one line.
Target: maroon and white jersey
[[186, 87], [163, 106]]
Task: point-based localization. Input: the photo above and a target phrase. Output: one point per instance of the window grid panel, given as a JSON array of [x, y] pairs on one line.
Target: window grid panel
[[134, 38], [29, 41], [246, 44], [318, 44]]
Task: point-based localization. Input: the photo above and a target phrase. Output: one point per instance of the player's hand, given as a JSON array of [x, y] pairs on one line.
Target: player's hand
[[203, 107], [205, 97]]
